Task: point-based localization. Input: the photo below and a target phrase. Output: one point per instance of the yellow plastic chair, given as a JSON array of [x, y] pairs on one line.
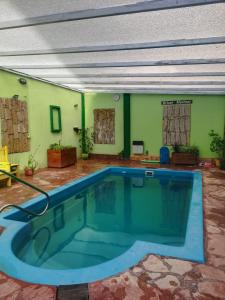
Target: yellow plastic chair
[[6, 166], [4, 157]]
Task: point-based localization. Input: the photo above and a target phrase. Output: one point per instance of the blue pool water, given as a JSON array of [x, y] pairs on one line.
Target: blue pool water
[[103, 220], [103, 224]]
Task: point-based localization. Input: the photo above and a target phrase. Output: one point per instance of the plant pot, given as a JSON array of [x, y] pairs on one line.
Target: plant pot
[[62, 158], [29, 172], [184, 158], [84, 156]]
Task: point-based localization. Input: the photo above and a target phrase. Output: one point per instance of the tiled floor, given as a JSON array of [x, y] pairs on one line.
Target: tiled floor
[[153, 278]]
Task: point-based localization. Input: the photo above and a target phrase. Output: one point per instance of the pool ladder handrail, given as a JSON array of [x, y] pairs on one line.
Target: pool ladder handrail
[[27, 211]]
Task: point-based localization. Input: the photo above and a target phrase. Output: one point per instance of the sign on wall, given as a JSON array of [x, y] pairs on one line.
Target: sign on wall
[[171, 102]]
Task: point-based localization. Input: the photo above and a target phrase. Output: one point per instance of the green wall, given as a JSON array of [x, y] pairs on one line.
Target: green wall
[[207, 112], [39, 96], [95, 101], [146, 120], [146, 117]]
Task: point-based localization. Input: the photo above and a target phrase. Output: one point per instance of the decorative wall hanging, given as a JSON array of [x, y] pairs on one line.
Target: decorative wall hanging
[[104, 126], [176, 123], [55, 118], [14, 125]]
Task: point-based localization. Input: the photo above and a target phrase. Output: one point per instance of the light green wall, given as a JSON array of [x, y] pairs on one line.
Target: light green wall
[[207, 112], [146, 117], [9, 86], [95, 101], [39, 96], [146, 120]]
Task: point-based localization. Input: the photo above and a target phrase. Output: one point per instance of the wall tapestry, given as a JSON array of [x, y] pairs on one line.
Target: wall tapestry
[[176, 124], [104, 126], [14, 125]]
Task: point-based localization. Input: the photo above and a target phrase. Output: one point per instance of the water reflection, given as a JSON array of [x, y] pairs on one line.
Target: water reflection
[[103, 220]]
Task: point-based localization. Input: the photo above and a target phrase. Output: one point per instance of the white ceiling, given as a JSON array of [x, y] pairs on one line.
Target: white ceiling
[[150, 46]]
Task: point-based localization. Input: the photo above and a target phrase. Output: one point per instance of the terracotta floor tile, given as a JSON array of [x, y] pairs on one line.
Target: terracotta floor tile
[[155, 277]]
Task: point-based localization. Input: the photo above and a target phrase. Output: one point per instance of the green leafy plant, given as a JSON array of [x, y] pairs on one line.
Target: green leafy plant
[[191, 149], [217, 144], [32, 162], [186, 149], [58, 146], [176, 148], [121, 154], [86, 140]]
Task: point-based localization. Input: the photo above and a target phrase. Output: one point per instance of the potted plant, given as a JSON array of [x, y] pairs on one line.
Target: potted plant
[[121, 155], [31, 166], [217, 145], [60, 156], [185, 155], [86, 141]]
